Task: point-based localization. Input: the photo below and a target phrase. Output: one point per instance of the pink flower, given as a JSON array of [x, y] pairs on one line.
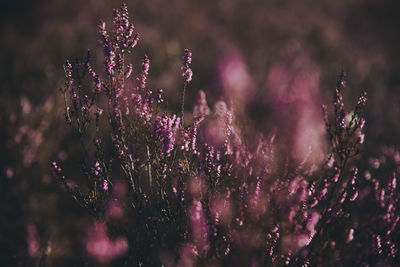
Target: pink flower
[[101, 247]]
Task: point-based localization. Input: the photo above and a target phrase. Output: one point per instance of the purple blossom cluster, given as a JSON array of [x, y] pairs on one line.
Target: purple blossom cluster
[[186, 70], [122, 42], [203, 194], [201, 109], [167, 128]]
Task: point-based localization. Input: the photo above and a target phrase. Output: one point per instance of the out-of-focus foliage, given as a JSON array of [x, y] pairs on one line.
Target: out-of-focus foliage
[[276, 60]]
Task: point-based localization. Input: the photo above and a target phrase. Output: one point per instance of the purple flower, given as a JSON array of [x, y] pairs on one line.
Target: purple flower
[[68, 73], [167, 128], [97, 84], [128, 71], [201, 108], [105, 185], [186, 71], [145, 72], [57, 170]]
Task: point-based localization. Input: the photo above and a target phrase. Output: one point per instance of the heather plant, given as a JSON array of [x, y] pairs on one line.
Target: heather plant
[[167, 190]]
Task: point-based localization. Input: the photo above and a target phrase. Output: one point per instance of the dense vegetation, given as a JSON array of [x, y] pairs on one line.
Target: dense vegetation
[[129, 164], [166, 190]]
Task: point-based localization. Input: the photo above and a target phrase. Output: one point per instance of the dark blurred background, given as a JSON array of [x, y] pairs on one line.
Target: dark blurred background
[[278, 61]]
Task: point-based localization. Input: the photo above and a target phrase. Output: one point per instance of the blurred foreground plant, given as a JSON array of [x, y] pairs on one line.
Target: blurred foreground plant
[[167, 192]]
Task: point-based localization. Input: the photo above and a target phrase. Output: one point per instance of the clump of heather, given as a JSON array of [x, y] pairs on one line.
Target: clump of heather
[[163, 190]]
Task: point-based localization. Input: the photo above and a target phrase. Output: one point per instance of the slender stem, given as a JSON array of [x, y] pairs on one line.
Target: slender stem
[[149, 165], [183, 103]]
